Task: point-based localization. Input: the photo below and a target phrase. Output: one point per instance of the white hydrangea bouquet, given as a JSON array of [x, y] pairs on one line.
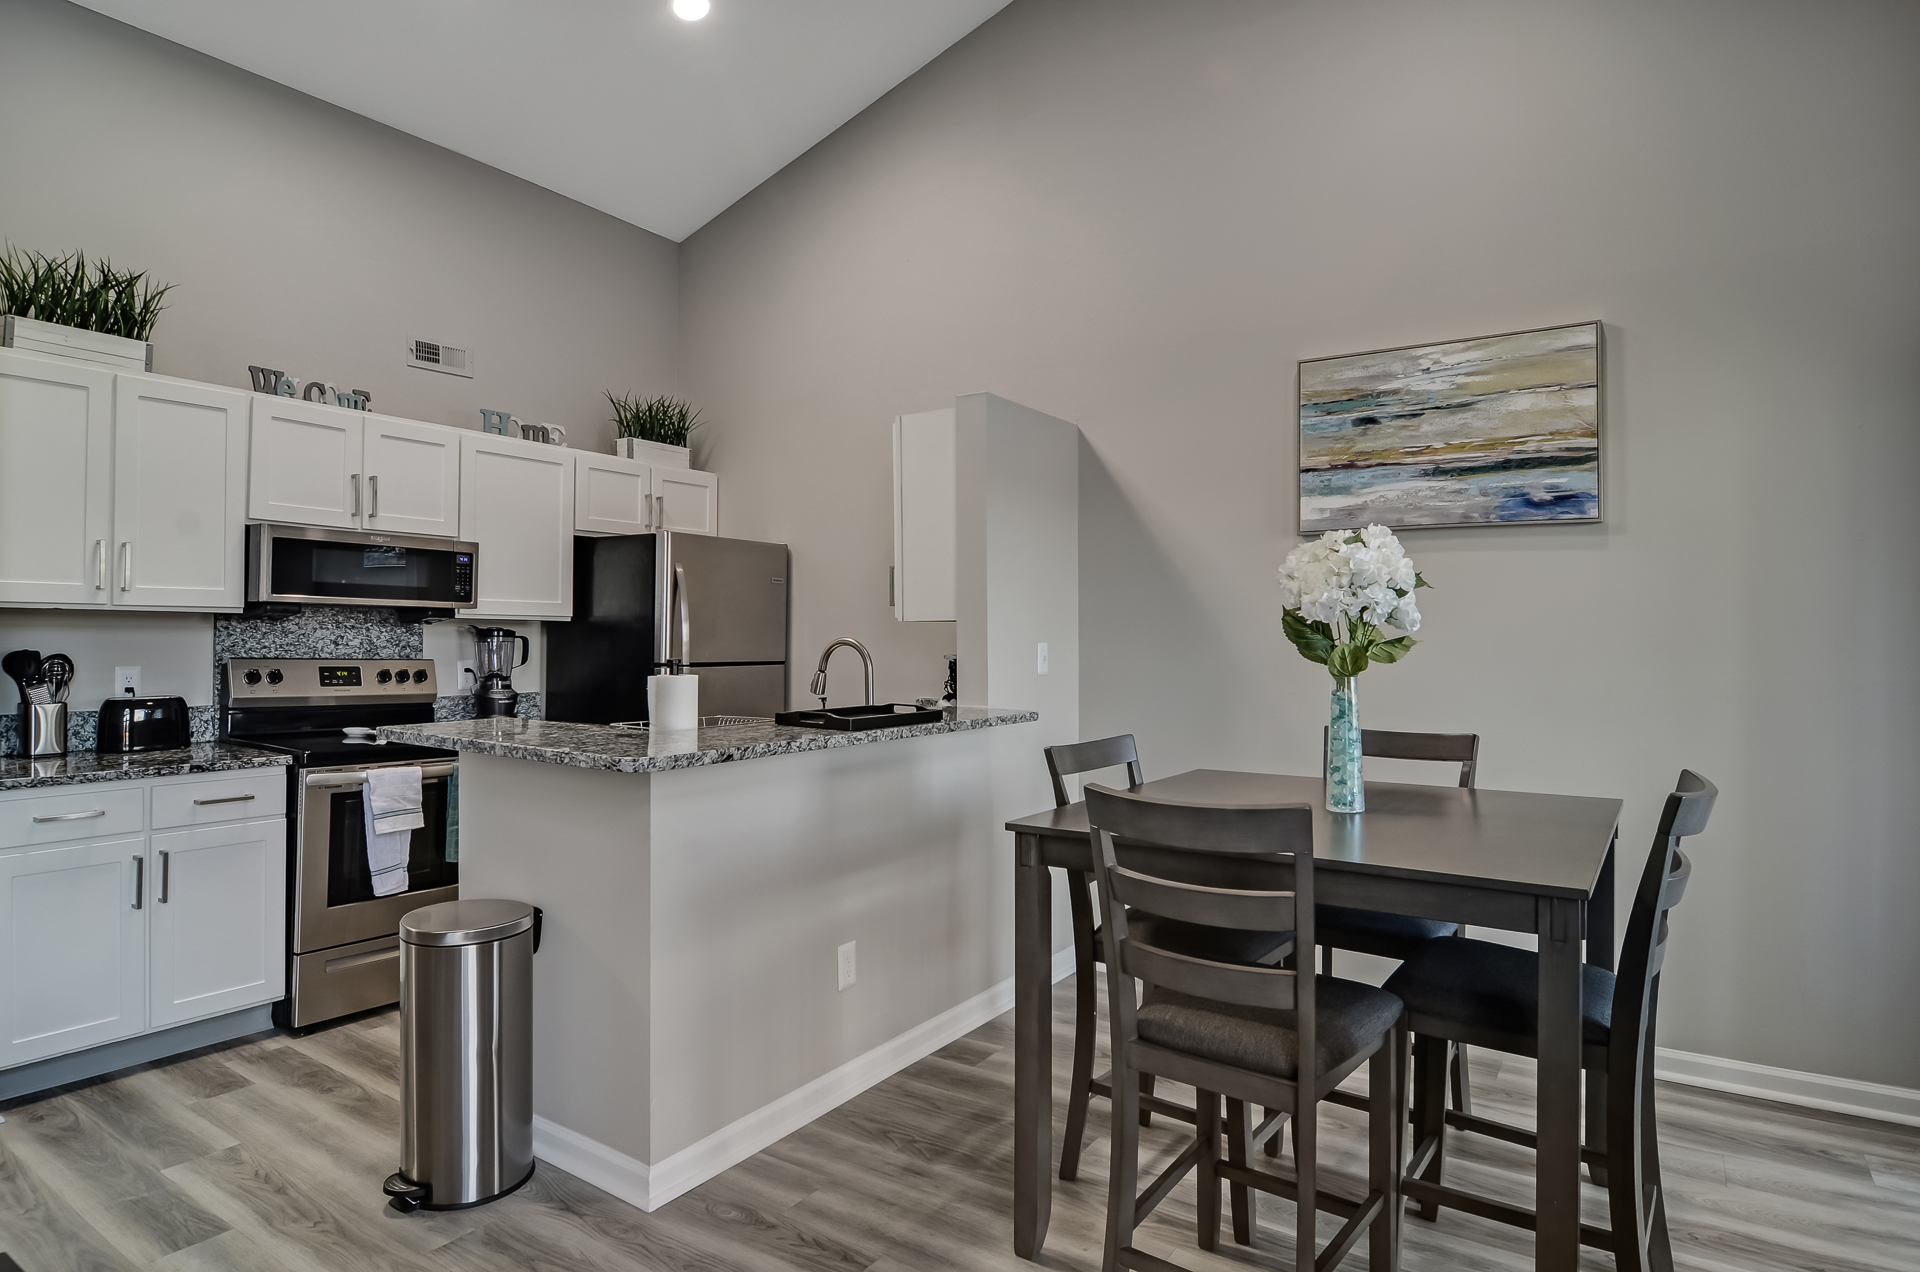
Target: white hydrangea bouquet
[[1347, 601]]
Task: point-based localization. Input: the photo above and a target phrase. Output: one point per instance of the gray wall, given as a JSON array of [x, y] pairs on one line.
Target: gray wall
[[1139, 216], [315, 241]]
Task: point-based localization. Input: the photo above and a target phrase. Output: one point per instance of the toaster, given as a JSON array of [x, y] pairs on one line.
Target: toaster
[[143, 724]]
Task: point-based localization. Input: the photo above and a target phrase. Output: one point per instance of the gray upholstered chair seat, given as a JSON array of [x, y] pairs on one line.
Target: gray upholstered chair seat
[[1492, 988], [1217, 945], [1375, 931], [1350, 1019]]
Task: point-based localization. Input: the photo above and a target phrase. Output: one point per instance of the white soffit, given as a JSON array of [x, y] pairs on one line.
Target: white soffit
[[622, 106]]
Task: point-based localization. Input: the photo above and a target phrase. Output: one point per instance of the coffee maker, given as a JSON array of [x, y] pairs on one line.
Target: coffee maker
[[493, 693]]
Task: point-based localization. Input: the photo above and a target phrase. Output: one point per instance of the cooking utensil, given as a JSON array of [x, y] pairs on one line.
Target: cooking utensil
[[38, 692], [58, 670], [24, 666]]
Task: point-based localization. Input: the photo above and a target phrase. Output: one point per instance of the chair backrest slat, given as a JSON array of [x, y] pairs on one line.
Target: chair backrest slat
[[1196, 903], [1224, 982], [1068, 759], [1449, 748]]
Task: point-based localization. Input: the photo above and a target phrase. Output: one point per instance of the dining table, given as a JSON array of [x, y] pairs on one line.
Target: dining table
[[1513, 861]]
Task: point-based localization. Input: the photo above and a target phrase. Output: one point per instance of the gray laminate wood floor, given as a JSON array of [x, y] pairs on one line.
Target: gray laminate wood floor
[[268, 1154]]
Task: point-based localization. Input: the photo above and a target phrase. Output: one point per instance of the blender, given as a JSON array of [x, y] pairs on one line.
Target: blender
[[494, 649]]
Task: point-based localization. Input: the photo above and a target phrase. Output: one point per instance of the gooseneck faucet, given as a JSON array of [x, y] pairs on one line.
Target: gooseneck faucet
[[819, 686]]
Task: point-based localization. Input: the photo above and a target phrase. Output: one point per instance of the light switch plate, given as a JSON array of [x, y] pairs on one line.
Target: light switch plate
[[1043, 657], [846, 965]]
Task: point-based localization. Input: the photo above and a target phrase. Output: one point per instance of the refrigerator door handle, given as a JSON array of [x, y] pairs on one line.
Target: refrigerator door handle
[[680, 606]]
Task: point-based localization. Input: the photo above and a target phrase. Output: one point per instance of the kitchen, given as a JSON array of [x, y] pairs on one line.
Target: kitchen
[[999, 320]]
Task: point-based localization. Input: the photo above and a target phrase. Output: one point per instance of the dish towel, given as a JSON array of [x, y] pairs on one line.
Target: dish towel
[[392, 799]]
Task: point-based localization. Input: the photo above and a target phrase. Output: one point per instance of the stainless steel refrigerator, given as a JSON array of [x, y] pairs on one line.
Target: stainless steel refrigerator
[[644, 602]]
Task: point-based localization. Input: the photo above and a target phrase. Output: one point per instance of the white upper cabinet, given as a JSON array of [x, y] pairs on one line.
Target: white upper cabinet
[[56, 422], [516, 505], [218, 898], [612, 495], [306, 463], [72, 947], [686, 501], [412, 472], [925, 511], [179, 495]]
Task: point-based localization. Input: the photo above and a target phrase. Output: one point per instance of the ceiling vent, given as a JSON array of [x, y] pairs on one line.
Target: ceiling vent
[[429, 355]]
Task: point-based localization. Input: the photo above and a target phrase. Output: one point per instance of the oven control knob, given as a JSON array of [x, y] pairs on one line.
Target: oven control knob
[[253, 676], [420, 676], [274, 676], [384, 676]]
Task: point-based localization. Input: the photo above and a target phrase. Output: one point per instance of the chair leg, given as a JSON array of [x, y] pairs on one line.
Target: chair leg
[[1626, 1179], [1272, 1146], [1123, 1172], [1659, 1245], [1206, 1170], [1596, 1124], [1086, 1023], [1239, 1141], [1306, 1164], [1462, 1088], [1326, 960], [1430, 1108], [1387, 1152]]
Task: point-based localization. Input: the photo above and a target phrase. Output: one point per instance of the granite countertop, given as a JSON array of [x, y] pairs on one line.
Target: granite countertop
[[599, 746], [18, 773]]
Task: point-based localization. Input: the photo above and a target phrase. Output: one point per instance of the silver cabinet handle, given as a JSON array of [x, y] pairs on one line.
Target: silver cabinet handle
[[224, 799], [166, 872], [99, 565], [139, 879], [126, 567], [59, 817], [355, 479], [373, 497], [660, 512]]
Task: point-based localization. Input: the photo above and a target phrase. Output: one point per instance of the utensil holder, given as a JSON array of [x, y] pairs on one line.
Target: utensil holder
[[43, 728]]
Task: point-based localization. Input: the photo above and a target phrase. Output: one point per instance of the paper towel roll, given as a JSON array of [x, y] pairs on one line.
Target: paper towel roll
[[673, 702]]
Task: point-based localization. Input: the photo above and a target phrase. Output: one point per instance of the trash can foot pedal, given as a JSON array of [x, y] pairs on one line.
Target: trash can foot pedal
[[407, 1196]]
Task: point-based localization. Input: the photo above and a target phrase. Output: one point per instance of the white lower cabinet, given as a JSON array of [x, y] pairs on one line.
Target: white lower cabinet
[[131, 930], [218, 937], [73, 950]]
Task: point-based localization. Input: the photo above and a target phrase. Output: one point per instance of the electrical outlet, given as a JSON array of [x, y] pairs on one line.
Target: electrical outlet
[[846, 965], [1043, 657], [126, 682], [468, 675]]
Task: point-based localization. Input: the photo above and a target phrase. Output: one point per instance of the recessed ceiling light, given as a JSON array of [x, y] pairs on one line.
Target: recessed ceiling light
[[691, 10]]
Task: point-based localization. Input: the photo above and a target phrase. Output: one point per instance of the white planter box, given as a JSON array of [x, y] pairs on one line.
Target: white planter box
[[30, 335], [659, 454]]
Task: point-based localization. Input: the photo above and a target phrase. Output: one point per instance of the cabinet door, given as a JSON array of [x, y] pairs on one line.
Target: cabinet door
[[612, 495], [56, 427], [305, 469], [179, 494], [686, 500], [219, 904], [925, 517], [413, 477], [72, 948], [516, 504]]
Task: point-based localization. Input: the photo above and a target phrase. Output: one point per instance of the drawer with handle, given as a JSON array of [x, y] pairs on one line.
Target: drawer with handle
[[89, 811], [229, 797]]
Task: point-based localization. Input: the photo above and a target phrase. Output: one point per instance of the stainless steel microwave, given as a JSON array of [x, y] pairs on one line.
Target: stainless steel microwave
[[310, 566]]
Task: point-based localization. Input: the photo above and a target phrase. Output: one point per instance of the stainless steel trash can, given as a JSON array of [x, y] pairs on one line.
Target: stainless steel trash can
[[466, 1054]]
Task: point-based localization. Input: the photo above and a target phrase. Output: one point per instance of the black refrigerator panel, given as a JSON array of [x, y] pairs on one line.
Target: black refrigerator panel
[[625, 604]]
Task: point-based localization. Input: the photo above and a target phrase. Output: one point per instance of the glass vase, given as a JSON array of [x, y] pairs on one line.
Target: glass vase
[[1345, 791]]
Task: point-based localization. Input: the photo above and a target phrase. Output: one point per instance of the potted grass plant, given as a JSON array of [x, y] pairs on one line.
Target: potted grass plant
[[69, 307], [653, 429]]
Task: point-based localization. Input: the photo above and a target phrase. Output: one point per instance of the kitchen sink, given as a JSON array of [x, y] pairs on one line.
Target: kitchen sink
[[882, 715]]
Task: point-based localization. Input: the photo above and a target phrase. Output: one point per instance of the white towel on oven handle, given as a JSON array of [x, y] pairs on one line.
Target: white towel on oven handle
[[392, 798]]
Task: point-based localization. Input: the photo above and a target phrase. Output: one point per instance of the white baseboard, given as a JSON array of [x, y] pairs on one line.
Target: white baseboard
[[1790, 1086], [650, 1187]]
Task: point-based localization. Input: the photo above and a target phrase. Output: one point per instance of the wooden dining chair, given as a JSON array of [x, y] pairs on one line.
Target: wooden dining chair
[[1397, 936], [1274, 1036], [1488, 995], [1241, 947]]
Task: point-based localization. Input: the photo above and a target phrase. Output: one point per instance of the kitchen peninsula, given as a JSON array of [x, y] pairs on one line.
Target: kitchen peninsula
[[700, 891]]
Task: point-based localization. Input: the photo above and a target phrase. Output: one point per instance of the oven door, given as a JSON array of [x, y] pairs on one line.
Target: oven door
[[333, 890], [307, 565]]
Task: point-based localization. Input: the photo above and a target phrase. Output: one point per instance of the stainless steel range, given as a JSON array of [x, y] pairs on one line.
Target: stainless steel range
[[344, 943]]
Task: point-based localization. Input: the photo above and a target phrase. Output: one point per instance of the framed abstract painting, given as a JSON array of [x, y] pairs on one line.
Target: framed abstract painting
[[1499, 430]]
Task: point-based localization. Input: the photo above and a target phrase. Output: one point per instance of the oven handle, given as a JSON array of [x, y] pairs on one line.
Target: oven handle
[[346, 781]]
